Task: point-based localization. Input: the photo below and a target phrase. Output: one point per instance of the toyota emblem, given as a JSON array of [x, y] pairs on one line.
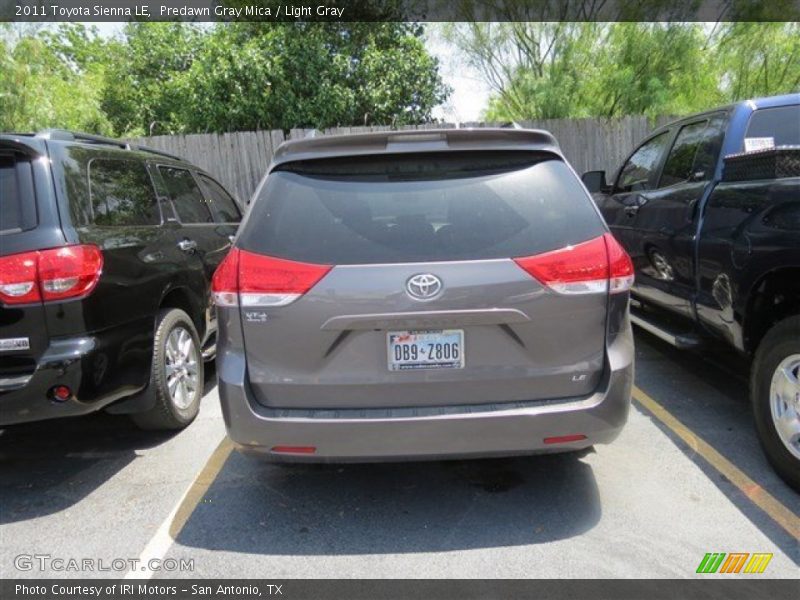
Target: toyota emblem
[[424, 286]]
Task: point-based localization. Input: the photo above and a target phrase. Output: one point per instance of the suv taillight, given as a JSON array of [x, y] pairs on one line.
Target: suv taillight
[[598, 265], [62, 273], [255, 280]]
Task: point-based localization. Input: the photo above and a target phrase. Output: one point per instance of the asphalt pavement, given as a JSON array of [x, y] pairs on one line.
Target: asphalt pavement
[[685, 478]]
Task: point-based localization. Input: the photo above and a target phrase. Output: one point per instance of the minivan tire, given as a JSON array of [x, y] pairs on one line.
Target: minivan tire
[[781, 342], [167, 413]]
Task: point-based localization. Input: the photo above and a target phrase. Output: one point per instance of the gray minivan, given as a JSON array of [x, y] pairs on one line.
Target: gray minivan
[[423, 294]]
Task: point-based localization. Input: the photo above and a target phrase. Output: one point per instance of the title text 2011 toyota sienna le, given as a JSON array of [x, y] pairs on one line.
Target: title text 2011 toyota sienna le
[[425, 294]]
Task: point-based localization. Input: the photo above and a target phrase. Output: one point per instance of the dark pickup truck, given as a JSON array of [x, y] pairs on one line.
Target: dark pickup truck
[[708, 207]]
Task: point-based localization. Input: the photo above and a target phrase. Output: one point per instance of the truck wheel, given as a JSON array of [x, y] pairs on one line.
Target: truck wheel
[[775, 394], [176, 376]]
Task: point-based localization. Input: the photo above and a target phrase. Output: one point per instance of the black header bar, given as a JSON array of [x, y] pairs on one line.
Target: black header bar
[[398, 10], [733, 588]]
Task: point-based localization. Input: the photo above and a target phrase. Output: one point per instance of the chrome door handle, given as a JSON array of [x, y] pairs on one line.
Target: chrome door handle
[[631, 210], [187, 245]]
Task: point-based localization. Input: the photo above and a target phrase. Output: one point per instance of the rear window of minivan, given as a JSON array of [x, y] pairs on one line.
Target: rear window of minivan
[[420, 208]]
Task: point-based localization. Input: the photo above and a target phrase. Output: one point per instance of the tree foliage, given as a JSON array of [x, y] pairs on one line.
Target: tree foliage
[[179, 78], [161, 78], [759, 59], [310, 75], [38, 89], [583, 69]]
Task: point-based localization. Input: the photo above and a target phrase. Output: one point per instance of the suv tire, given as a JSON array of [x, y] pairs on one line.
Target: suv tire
[[779, 345], [176, 376]]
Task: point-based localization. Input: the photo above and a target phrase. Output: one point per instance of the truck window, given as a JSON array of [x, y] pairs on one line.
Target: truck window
[[782, 124], [694, 153], [680, 161], [637, 173]]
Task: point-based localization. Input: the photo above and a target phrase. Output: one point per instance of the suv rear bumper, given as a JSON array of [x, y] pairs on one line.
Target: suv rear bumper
[[445, 432], [99, 369]]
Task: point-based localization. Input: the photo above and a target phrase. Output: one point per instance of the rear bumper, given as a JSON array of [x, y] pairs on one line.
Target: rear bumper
[[431, 433], [99, 368]]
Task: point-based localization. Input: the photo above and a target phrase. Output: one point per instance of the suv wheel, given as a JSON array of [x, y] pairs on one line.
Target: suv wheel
[[775, 394], [176, 376]]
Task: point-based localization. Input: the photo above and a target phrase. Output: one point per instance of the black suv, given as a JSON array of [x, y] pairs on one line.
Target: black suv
[[106, 254]]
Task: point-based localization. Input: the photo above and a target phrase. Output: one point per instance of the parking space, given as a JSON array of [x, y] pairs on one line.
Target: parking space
[[649, 505]]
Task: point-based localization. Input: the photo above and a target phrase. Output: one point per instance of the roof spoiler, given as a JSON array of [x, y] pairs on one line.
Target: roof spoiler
[[417, 140]]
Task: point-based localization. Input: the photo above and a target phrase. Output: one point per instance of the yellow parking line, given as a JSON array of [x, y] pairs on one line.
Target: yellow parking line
[[171, 526], [757, 495], [200, 487], [760, 497]]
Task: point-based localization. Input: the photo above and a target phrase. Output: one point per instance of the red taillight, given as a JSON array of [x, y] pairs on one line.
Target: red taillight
[[590, 267], [44, 275], [69, 272], [263, 280], [18, 281]]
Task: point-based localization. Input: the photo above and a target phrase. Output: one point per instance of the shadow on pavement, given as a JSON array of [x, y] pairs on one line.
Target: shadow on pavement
[[708, 391], [257, 508], [48, 466]]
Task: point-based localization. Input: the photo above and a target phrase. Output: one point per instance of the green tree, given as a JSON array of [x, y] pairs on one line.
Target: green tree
[[320, 75], [652, 69], [582, 69], [758, 59], [142, 92], [39, 90], [177, 78]]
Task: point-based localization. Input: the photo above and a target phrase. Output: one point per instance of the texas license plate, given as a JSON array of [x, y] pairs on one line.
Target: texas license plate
[[441, 349]]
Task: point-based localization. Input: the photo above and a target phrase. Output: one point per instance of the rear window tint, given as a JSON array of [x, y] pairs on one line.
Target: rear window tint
[[17, 201], [435, 207], [782, 124]]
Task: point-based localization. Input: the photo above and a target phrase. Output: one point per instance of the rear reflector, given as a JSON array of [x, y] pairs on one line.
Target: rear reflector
[[60, 393], [592, 267], [64, 273], [293, 449], [255, 280], [563, 439]]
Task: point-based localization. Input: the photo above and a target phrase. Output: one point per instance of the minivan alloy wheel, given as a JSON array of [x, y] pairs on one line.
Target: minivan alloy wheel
[[181, 367], [784, 394]]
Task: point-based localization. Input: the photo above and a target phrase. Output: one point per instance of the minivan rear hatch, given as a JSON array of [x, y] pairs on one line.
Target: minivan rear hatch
[[407, 281]]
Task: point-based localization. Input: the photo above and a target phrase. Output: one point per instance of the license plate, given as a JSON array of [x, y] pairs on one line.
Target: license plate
[[11, 344], [442, 349]]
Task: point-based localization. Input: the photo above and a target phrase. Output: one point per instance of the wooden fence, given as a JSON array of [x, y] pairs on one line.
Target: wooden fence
[[240, 159]]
